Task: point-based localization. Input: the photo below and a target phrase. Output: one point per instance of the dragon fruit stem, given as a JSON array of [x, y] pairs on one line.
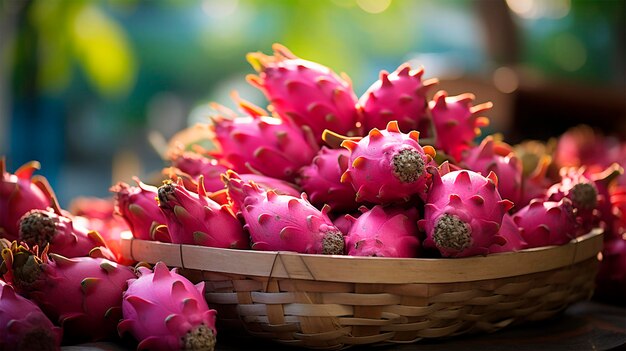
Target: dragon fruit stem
[[452, 233], [165, 192], [585, 196], [37, 229], [333, 243], [200, 338], [408, 165]]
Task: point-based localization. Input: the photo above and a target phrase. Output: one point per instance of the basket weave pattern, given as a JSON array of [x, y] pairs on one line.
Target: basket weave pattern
[[311, 301]]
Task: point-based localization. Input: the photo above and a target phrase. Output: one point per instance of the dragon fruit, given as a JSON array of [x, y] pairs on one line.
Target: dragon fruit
[[544, 223], [399, 96], [605, 182], [497, 157], [263, 145], [65, 237], [195, 165], [23, 326], [82, 294], [463, 213], [139, 208], [193, 218], [388, 166], [511, 232], [384, 232], [321, 180], [20, 193], [305, 92], [581, 191], [456, 122], [283, 222], [536, 183], [165, 311], [98, 215]]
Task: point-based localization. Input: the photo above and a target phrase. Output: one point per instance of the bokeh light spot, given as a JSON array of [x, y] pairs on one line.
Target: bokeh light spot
[[505, 79], [373, 6]]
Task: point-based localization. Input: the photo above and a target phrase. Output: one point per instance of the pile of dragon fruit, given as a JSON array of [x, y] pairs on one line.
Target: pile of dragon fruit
[[391, 174]]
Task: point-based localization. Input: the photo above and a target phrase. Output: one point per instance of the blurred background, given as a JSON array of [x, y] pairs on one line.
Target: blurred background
[[93, 89]]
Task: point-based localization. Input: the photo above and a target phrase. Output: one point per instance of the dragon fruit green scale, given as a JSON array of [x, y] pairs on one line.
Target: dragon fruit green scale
[[388, 166], [282, 222], [399, 96], [463, 213], [164, 311], [305, 92]]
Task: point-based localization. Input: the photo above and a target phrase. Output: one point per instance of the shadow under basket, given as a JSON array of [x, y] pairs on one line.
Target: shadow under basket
[[332, 302]]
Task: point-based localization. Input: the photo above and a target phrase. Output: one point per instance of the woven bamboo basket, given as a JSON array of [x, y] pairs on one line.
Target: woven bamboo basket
[[332, 302]]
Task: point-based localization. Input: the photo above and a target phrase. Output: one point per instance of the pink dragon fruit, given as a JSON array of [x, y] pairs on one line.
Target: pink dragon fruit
[[264, 145], [344, 222], [581, 191], [399, 96], [536, 184], [388, 166], [139, 208], [20, 193], [195, 165], [456, 122], [305, 92], [283, 222], [82, 294], [165, 311], [321, 180], [511, 232], [497, 157], [23, 326], [98, 214], [384, 232], [41, 228], [463, 213], [544, 223], [604, 182], [193, 218]]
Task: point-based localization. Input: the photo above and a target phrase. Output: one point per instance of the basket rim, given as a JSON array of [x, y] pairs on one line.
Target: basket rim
[[352, 269]]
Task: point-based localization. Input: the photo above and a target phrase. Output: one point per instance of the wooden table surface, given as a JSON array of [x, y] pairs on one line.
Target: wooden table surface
[[584, 326]]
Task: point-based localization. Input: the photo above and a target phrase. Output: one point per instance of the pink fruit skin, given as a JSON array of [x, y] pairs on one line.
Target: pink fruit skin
[[165, 311], [512, 234], [456, 122], [196, 165], [139, 208], [195, 219], [581, 191], [321, 180], [81, 294], [463, 214], [388, 166], [497, 157], [269, 183], [384, 232], [544, 223], [399, 96], [264, 145], [23, 326], [282, 222], [65, 237], [18, 195], [305, 92]]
